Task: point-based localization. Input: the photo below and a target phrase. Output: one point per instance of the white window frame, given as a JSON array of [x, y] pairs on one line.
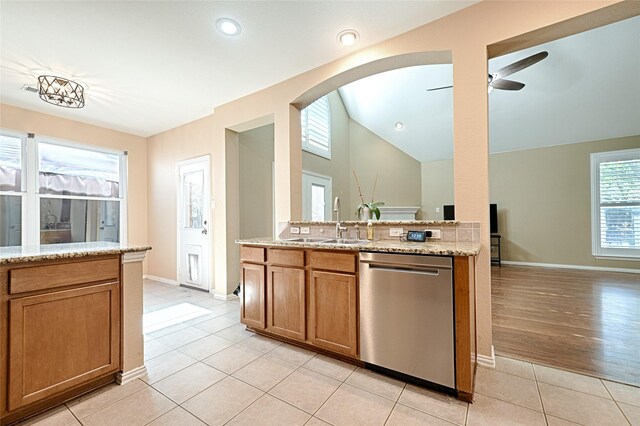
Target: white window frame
[[304, 120], [30, 177], [598, 251]]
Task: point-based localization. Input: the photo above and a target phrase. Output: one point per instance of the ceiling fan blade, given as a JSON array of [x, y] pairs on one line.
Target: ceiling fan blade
[[503, 84], [439, 88], [519, 65]]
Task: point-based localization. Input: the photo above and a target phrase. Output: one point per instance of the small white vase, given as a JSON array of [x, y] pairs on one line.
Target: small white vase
[[365, 214]]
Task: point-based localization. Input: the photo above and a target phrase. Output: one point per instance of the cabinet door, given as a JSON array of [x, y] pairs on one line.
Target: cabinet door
[[62, 339], [286, 311], [252, 305], [332, 316]]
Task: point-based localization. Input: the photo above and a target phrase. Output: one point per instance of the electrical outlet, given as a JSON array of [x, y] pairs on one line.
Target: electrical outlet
[[295, 229], [304, 230], [437, 209], [435, 234], [395, 232]]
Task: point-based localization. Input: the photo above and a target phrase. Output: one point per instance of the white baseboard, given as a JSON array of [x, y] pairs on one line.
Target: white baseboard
[[160, 279], [488, 361], [122, 378], [558, 266], [225, 297]]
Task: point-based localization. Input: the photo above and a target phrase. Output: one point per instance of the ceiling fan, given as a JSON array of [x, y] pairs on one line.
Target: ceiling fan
[[496, 79]]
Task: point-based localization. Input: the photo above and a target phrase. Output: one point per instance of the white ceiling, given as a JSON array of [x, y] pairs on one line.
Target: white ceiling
[[151, 66], [588, 88]]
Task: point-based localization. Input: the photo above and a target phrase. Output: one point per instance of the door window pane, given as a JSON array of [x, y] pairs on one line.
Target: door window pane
[[10, 163], [10, 220], [64, 220], [193, 189], [317, 202], [65, 170]]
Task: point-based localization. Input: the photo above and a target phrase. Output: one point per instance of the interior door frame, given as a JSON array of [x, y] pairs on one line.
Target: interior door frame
[[329, 196], [207, 205]]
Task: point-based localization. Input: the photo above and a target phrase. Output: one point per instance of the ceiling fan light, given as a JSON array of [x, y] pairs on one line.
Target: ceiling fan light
[[60, 91]]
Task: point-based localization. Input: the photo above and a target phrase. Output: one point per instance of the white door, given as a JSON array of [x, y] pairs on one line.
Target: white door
[[193, 223], [316, 196]]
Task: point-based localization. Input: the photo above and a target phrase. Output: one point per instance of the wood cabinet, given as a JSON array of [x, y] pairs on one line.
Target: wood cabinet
[[310, 296], [286, 302], [333, 312], [252, 312], [61, 328]]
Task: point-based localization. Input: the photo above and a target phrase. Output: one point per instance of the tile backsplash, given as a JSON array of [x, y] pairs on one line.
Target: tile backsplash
[[450, 231]]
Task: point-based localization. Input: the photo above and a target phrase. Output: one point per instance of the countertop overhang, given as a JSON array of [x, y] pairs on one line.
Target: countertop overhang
[[38, 253], [382, 246]]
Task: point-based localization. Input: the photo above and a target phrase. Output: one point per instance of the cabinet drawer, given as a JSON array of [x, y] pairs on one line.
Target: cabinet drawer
[[286, 257], [342, 262], [252, 254], [22, 280]]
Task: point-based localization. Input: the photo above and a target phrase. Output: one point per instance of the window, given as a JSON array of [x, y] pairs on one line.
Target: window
[[52, 192], [316, 128], [11, 190], [615, 199]]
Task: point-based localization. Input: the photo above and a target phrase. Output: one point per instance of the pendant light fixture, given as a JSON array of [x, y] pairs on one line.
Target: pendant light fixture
[[60, 91]]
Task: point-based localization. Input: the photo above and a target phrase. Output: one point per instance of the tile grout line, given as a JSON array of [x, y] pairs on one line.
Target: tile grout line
[[616, 402], [544, 412], [266, 392]]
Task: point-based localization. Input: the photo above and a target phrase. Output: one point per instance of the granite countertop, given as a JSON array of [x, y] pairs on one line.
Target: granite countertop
[[379, 222], [64, 251], [383, 246]]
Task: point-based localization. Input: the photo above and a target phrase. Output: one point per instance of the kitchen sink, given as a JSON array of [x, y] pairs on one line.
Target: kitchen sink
[[306, 240], [345, 241], [348, 241]]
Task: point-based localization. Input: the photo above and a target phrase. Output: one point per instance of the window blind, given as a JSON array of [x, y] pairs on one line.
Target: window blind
[[620, 204], [316, 128]]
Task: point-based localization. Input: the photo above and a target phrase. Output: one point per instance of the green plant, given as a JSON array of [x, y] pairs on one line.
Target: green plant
[[373, 206]]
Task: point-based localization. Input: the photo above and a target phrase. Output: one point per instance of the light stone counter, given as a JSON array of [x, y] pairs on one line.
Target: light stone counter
[[383, 246], [64, 251]]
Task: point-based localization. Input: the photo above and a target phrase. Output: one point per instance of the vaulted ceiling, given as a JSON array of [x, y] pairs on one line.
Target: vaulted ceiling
[[587, 89]]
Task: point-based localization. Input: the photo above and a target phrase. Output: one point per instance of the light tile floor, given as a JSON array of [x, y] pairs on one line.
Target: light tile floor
[[205, 368]]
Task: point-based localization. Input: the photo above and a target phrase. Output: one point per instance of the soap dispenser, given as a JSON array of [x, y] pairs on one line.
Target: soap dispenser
[[369, 230]]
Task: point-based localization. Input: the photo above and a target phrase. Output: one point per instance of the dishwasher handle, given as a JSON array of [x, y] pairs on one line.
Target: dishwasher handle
[[405, 269]]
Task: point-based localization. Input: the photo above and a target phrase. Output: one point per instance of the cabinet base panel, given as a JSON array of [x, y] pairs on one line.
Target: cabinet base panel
[[48, 403]]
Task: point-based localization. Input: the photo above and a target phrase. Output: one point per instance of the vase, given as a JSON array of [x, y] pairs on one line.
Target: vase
[[365, 214]]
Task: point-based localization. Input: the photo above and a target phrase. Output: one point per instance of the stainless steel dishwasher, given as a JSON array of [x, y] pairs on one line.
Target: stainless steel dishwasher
[[406, 315]]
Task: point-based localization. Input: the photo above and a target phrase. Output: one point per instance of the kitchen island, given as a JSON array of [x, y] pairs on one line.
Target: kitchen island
[[307, 290], [71, 322]]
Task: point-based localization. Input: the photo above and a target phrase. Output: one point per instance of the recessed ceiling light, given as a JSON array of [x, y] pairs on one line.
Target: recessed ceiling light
[[348, 37], [228, 26], [399, 125]]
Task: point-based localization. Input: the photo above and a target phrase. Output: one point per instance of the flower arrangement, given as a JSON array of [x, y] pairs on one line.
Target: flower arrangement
[[372, 206]]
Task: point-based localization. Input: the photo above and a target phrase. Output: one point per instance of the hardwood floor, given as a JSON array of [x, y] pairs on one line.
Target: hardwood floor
[[584, 321]]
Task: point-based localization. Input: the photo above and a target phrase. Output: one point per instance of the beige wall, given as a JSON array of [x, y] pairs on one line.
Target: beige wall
[[544, 201], [338, 167], [256, 182], [398, 173], [437, 188], [27, 121], [496, 26], [165, 151]]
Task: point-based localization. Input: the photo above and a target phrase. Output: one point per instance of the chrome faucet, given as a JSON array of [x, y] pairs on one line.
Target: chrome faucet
[[339, 228]]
